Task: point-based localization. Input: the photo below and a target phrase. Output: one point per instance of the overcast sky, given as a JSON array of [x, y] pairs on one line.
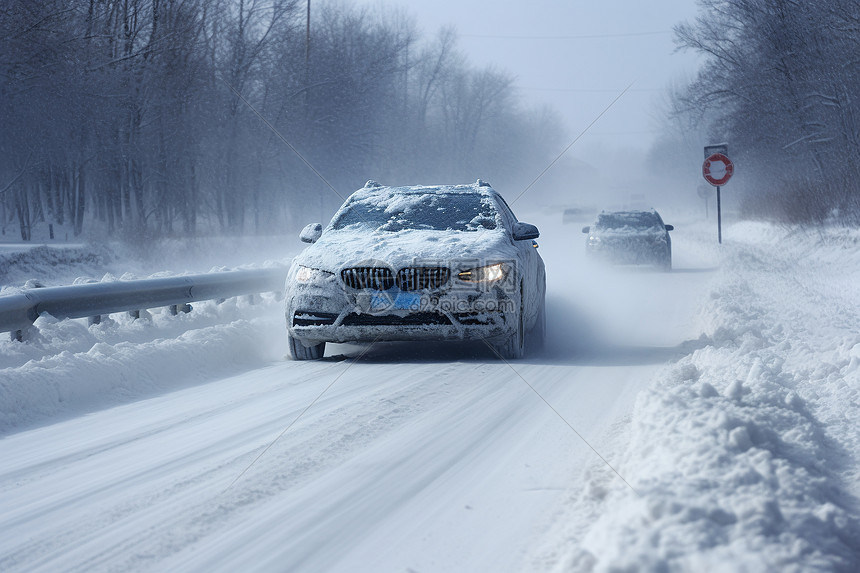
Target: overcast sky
[[577, 56]]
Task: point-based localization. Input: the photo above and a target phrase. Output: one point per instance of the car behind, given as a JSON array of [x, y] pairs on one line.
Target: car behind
[[630, 237]]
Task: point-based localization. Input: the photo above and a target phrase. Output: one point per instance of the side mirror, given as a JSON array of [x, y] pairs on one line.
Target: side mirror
[[670, 227], [586, 230], [311, 233], [523, 231]]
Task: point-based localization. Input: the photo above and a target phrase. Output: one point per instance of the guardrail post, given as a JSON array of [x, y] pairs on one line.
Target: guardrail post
[[252, 299], [177, 308]]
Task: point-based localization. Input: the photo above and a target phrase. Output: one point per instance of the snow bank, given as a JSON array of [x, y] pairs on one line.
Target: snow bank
[[66, 367], [744, 453], [51, 265]]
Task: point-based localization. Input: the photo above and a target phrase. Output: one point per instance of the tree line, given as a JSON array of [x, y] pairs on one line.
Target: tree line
[[780, 82], [149, 118]]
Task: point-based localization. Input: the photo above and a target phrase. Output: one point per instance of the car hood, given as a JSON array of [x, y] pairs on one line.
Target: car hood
[[338, 249]]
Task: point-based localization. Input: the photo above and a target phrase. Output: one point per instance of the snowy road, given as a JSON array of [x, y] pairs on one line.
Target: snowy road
[[429, 465], [393, 458]]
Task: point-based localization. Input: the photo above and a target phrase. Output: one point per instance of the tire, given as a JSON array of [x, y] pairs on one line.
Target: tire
[[301, 352], [537, 335], [664, 261], [513, 346]]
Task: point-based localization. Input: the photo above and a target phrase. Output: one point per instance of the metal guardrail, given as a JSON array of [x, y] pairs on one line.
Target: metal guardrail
[[18, 311]]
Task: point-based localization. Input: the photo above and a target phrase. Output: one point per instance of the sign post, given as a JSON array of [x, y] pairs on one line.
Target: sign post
[[717, 170]]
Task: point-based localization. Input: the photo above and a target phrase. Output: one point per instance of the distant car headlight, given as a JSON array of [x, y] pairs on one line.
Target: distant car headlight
[[593, 241], [308, 274], [488, 274]]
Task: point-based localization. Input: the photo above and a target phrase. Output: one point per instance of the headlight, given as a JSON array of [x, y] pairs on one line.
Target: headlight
[[308, 274], [488, 274]]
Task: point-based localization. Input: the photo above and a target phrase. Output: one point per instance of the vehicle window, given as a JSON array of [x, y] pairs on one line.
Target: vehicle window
[[430, 211], [635, 220]]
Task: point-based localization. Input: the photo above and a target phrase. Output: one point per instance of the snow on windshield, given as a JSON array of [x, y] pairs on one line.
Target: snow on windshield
[[628, 221], [392, 211]]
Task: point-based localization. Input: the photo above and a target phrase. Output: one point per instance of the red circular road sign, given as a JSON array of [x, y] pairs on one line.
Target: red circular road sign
[[717, 169]]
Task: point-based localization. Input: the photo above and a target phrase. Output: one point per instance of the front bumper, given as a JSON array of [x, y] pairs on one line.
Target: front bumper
[[325, 315], [631, 252]]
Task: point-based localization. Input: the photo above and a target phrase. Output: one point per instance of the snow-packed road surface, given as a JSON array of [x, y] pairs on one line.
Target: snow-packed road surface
[[724, 393]]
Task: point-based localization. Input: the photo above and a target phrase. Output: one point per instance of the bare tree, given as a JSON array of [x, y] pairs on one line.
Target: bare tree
[[781, 76], [133, 118]]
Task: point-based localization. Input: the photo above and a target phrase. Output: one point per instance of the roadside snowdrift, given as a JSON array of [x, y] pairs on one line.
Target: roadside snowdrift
[[66, 367], [744, 454]]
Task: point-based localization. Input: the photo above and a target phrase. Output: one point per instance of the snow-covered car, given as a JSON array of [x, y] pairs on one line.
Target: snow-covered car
[[445, 262], [630, 237]]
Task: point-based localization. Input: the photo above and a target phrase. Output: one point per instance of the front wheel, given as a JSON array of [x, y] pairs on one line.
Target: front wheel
[[301, 352], [513, 346], [537, 335], [664, 263]]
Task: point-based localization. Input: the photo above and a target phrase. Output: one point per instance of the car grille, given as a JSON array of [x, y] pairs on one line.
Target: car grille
[[312, 318], [420, 278], [376, 278], [408, 279], [414, 319]]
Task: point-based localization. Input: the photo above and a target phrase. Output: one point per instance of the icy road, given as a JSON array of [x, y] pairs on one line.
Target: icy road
[[695, 420]]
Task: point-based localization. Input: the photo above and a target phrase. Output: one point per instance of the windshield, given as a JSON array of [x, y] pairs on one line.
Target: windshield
[[632, 219], [428, 211]]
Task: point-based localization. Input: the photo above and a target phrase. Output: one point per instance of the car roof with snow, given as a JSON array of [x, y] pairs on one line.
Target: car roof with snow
[[632, 218], [374, 188]]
